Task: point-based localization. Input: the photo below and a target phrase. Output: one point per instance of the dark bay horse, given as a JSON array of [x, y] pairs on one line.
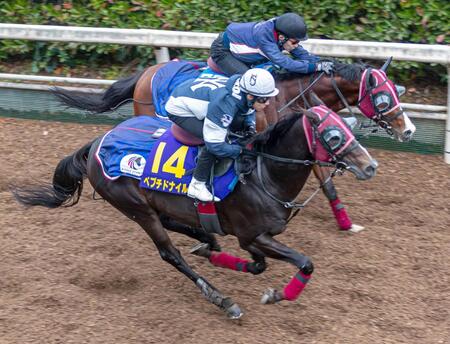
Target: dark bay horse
[[347, 81], [254, 212]]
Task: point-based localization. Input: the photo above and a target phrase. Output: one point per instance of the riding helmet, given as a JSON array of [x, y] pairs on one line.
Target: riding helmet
[[292, 26], [258, 82]]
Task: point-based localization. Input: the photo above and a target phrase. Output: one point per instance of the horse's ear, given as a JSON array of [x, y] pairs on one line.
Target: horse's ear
[[372, 81], [314, 99], [386, 64], [315, 119], [401, 90]]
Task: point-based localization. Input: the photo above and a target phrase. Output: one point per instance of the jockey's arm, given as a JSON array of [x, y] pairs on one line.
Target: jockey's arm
[[215, 129], [214, 136], [301, 53], [266, 42]]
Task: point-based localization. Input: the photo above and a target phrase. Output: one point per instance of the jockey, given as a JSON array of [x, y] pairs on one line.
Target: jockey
[[206, 106], [243, 45]]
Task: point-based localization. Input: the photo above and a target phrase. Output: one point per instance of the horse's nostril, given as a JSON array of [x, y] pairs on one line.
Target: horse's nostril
[[407, 134], [370, 170]]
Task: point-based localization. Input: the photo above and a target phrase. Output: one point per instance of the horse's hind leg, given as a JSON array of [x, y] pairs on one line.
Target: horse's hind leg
[[133, 204], [195, 233], [151, 224]]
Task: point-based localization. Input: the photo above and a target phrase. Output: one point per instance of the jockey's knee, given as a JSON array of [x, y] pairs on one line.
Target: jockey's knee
[[307, 268]]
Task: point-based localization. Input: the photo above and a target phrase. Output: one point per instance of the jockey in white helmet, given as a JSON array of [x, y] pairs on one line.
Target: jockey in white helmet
[[205, 107]]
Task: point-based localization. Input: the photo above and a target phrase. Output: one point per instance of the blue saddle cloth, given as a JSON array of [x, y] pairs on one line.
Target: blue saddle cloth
[[123, 150], [170, 76], [170, 165], [161, 164]]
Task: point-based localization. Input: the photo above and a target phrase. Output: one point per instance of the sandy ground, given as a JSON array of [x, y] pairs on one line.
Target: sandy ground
[[87, 274]]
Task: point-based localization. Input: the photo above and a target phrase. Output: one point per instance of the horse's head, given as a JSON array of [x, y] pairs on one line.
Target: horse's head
[[379, 100], [330, 139]]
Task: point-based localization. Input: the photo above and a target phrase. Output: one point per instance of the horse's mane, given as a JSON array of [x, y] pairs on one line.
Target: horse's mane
[[274, 132], [348, 71]]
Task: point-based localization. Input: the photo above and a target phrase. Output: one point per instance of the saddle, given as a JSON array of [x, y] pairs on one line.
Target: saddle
[[220, 167]]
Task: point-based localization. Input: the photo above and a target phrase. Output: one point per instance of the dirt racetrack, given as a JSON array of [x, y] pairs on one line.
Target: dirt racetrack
[[87, 274]]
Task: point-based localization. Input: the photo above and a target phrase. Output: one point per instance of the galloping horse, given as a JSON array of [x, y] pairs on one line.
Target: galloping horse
[[261, 212], [337, 91]]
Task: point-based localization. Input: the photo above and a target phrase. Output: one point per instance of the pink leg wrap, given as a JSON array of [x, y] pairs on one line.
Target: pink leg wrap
[[225, 260], [340, 214], [295, 286]]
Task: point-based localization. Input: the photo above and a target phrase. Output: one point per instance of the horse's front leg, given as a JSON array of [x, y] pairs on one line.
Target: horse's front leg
[[268, 246], [339, 211]]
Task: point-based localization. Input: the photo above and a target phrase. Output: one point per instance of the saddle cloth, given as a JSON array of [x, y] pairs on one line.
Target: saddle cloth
[[170, 76], [170, 165], [123, 150], [134, 149]]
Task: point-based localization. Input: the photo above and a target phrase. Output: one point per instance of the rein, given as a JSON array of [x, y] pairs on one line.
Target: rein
[[301, 93], [291, 204], [340, 95]]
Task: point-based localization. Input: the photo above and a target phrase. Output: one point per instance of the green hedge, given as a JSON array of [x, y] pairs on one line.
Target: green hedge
[[415, 21]]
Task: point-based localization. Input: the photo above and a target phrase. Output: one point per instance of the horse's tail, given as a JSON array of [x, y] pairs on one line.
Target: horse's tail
[[116, 95], [66, 187]]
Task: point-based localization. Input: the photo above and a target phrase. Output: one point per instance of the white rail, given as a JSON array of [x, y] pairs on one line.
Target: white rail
[[202, 40], [162, 39], [426, 111]]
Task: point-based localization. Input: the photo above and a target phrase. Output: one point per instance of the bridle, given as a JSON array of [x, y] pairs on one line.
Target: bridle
[[380, 117], [340, 167]]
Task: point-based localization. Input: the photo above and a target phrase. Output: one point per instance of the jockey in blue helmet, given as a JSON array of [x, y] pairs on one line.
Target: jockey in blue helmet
[[244, 45], [206, 106]]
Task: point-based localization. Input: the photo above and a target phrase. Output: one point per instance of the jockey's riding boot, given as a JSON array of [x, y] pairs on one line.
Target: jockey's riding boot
[[198, 190]]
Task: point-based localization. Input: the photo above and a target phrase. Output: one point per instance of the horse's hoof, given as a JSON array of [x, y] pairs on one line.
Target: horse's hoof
[[234, 312], [201, 249], [356, 228], [269, 297]]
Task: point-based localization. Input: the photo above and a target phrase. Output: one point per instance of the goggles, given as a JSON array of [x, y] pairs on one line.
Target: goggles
[[333, 139], [261, 100]]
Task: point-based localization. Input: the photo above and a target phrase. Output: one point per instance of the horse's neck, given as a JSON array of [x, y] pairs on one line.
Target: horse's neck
[[287, 179], [349, 89], [289, 89]]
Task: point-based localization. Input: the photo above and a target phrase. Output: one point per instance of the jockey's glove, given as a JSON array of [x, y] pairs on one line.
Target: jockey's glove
[[325, 66], [249, 131]]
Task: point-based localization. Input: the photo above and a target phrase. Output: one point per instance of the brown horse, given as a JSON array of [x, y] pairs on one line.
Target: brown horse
[[254, 212], [336, 91]]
